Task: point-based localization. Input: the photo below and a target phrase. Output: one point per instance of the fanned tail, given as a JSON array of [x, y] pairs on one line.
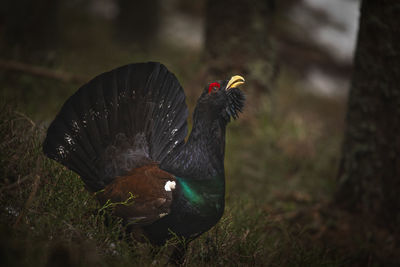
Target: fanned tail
[[120, 120]]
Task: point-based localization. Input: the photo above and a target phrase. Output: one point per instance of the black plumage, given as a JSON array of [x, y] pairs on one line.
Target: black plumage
[[130, 123]]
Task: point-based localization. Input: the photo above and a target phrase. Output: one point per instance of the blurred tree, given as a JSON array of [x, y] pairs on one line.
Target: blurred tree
[[370, 166], [138, 21], [296, 44], [29, 28], [236, 40]]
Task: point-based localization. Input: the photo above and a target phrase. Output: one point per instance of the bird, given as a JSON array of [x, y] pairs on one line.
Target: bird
[[125, 134]]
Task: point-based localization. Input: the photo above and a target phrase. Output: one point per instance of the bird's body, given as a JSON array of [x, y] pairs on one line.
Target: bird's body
[[124, 134]]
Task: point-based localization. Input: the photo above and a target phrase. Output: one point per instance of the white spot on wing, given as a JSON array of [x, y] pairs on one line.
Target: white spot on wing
[[162, 214], [170, 185]]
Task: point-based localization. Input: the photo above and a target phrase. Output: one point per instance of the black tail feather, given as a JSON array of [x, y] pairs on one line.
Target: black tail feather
[[133, 101]]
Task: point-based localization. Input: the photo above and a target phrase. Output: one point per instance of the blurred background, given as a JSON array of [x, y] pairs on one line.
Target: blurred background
[[282, 154], [312, 41]]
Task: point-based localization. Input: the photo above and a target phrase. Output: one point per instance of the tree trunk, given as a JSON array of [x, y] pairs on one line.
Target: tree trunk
[[369, 175], [237, 40]]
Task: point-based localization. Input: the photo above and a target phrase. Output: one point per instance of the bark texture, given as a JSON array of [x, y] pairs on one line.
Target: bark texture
[[369, 175]]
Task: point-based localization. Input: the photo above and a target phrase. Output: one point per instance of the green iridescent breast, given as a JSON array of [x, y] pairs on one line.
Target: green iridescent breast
[[204, 193]]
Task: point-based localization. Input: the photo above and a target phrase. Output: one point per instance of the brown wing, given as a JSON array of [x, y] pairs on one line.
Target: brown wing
[[141, 197]]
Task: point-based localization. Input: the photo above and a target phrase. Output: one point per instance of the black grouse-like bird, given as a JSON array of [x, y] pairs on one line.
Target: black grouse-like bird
[[124, 133]]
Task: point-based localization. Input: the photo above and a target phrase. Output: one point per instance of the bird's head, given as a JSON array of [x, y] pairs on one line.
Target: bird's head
[[223, 98]]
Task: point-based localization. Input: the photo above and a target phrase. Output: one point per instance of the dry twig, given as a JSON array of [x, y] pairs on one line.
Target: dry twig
[[41, 71]]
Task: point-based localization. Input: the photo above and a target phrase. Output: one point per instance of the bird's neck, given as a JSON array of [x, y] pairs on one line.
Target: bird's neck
[[208, 137], [203, 153]]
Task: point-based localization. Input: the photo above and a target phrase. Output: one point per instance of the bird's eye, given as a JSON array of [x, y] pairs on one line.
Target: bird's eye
[[213, 87]]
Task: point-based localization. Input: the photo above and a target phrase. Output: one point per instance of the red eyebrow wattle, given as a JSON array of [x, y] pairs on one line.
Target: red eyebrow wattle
[[212, 85]]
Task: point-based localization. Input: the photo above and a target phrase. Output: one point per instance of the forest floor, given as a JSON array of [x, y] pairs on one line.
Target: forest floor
[[282, 157]]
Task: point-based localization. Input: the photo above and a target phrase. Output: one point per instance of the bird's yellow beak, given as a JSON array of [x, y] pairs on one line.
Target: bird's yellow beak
[[234, 82]]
